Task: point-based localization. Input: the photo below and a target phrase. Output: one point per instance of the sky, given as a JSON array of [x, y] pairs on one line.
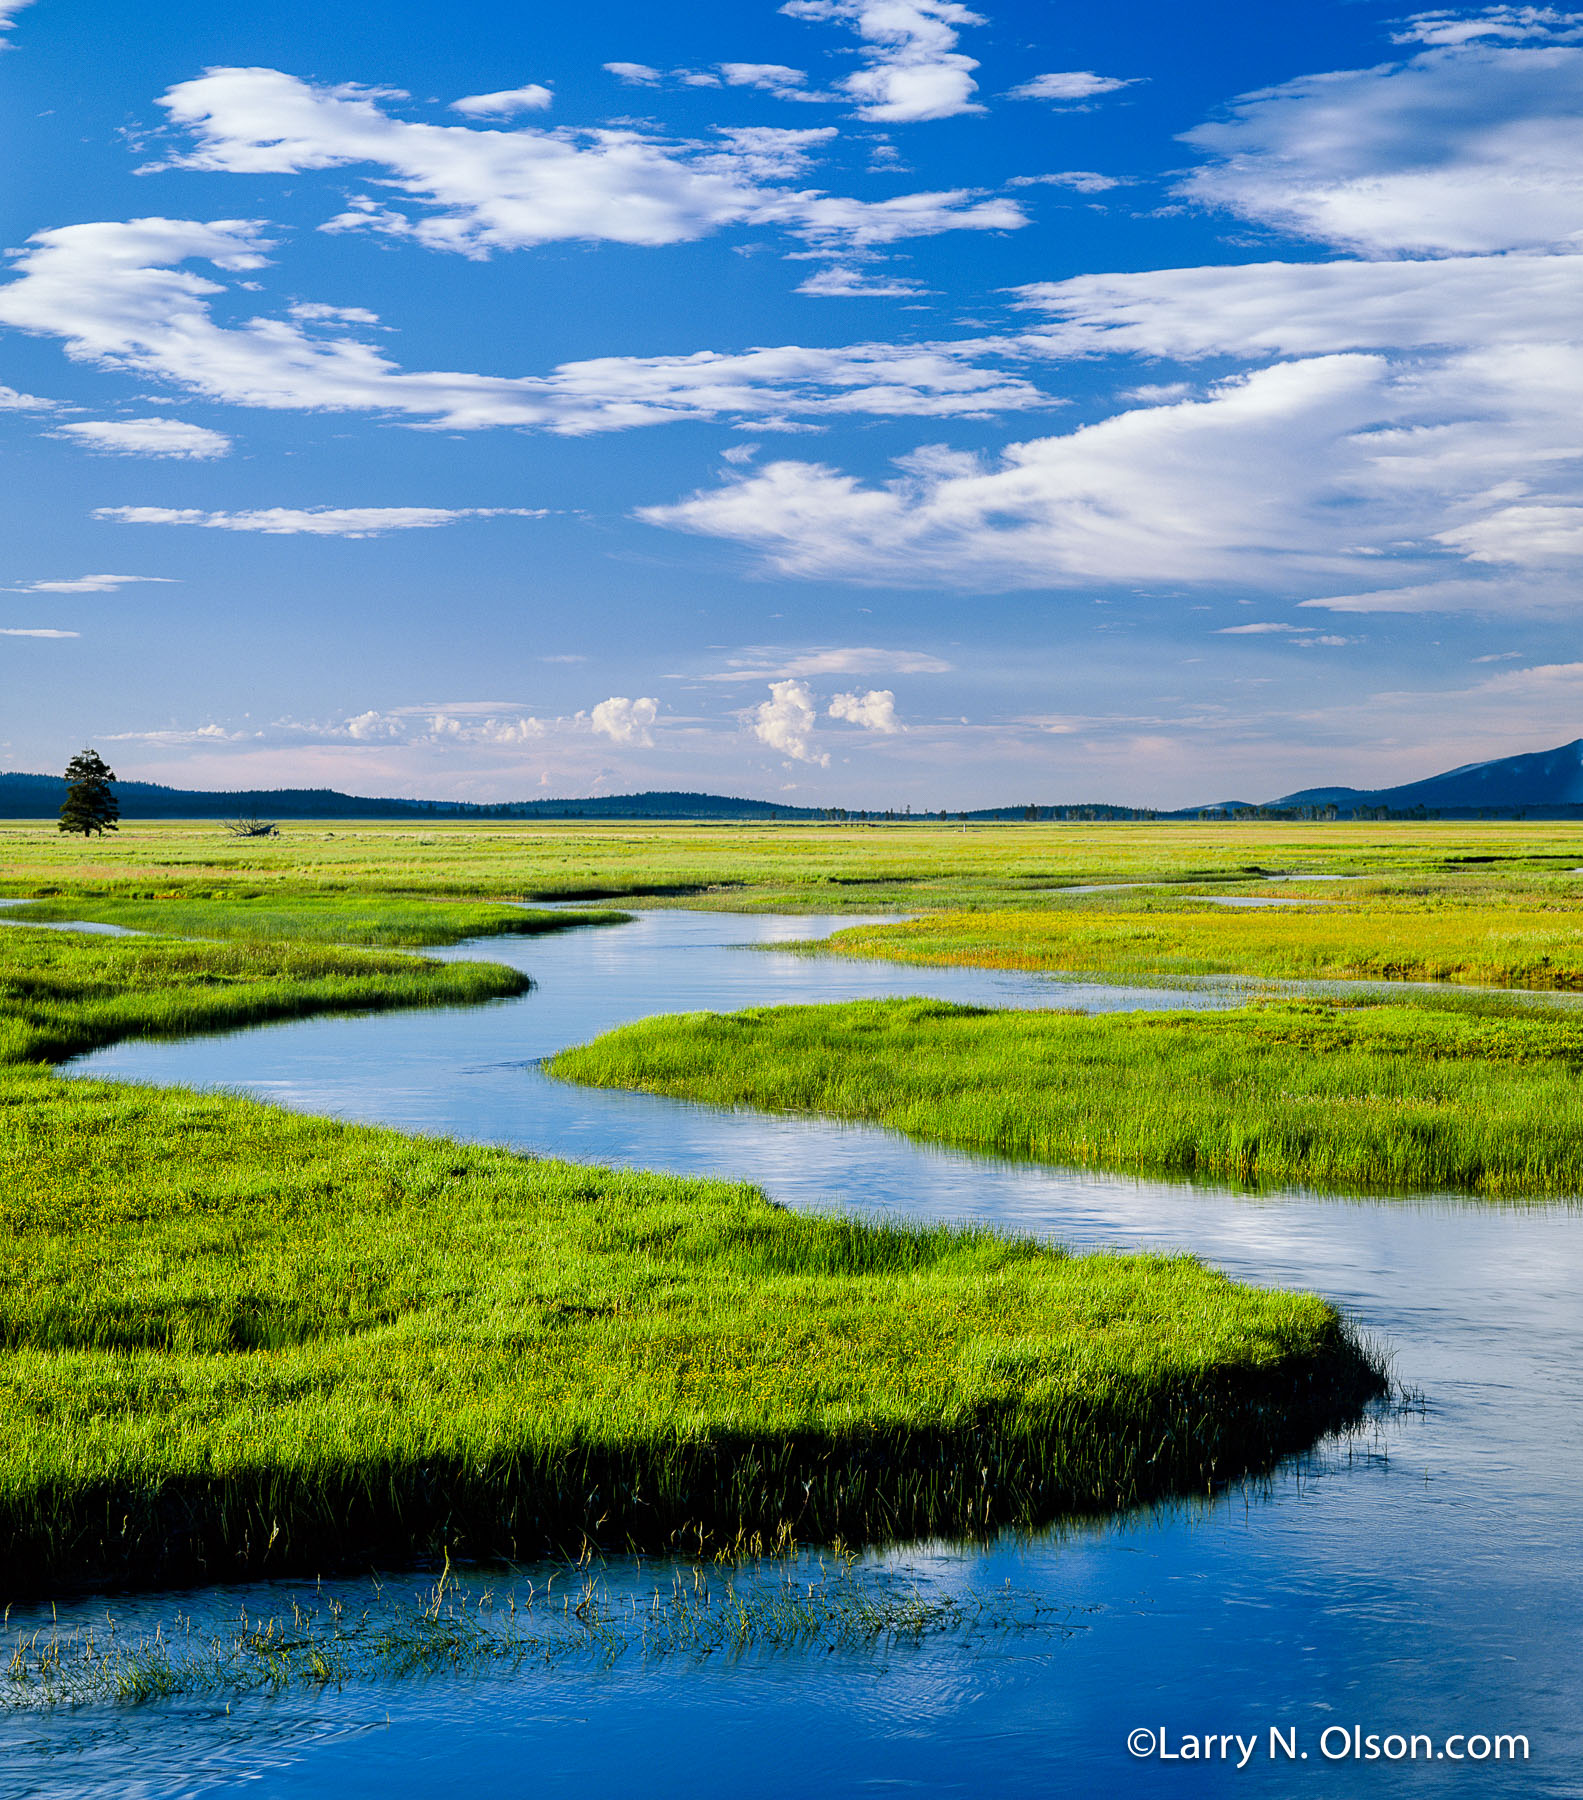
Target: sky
[[867, 403]]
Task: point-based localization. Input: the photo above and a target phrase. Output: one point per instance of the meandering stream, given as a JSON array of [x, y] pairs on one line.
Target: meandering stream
[[1423, 1579]]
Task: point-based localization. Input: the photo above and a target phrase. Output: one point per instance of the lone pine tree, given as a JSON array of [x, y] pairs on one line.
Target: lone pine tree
[[89, 806]]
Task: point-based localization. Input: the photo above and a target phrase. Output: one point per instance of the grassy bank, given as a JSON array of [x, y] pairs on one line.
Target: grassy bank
[[1445, 935], [1387, 1098], [382, 921], [238, 1340], [235, 1340], [62, 994]]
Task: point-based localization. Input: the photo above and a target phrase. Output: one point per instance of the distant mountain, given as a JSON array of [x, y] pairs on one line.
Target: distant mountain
[[40, 797], [1539, 783]]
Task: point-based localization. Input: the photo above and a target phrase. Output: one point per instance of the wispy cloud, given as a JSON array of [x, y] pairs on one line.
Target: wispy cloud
[[8, 12], [117, 294], [313, 521], [37, 631], [1070, 86], [87, 584], [12, 401], [147, 437], [478, 191], [534, 97]]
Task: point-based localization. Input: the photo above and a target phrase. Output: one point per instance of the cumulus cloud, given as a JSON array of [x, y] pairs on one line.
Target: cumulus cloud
[[625, 721], [119, 296], [1069, 86], [913, 69], [87, 584], [874, 711], [147, 437], [476, 191], [532, 98], [313, 521], [786, 722]]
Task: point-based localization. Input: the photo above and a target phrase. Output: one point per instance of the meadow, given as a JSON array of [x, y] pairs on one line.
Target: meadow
[[235, 1340], [1339, 1098]]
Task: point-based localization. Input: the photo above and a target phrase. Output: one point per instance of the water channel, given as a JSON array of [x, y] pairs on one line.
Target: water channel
[[1421, 1578]]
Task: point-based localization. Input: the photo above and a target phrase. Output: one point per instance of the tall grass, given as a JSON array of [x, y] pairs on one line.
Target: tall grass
[[383, 921], [61, 994], [1371, 1098], [238, 1340], [1538, 944]]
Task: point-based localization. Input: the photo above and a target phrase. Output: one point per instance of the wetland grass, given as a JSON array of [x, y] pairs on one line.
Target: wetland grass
[[235, 1340], [379, 921], [1348, 1098]]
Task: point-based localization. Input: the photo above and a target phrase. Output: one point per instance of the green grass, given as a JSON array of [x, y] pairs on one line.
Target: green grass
[[1347, 1099], [1442, 933], [62, 994], [235, 1340], [381, 921], [238, 1340]]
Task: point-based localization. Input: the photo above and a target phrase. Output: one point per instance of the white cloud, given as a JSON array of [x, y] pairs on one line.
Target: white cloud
[[12, 401], [1243, 485], [1081, 181], [773, 78], [1306, 309], [374, 727], [1467, 149], [625, 721], [1415, 421], [87, 584], [8, 12], [35, 632], [843, 283], [914, 69], [1069, 85], [315, 312], [1526, 535], [635, 74], [532, 98], [786, 722], [117, 295], [476, 191], [874, 711], [313, 521], [1511, 23], [859, 659], [147, 437]]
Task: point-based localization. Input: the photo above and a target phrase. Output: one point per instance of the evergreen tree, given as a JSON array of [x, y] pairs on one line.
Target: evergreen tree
[[89, 806]]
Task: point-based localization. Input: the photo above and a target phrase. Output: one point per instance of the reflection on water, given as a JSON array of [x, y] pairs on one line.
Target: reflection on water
[[1423, 1579]]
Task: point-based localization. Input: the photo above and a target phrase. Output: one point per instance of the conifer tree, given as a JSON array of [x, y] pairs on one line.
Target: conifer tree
[[89, 806]]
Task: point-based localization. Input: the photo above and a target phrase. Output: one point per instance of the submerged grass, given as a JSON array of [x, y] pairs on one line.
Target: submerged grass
[[322, 1638], [237, 1340], [1392, 1098]]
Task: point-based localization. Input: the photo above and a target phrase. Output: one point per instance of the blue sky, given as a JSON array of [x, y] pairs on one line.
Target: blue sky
[[867, 402]]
